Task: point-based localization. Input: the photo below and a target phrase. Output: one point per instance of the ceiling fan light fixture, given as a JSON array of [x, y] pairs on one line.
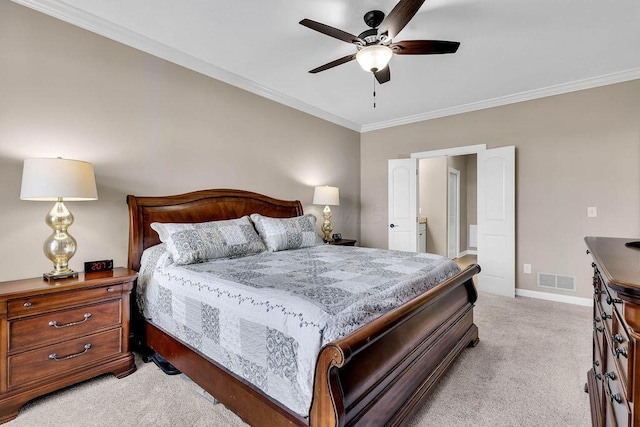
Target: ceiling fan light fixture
[[374, 58]]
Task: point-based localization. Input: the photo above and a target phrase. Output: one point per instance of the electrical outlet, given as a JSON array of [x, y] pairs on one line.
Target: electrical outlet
[[592, 212], [527, 268]]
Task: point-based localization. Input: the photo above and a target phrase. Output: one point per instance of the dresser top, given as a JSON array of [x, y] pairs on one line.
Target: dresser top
[[619, 264]]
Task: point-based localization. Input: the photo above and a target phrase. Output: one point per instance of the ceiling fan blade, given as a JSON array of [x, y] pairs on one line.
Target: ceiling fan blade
[[399, 16], [383, 75], [332, 32], [424, 47], [335, 63]]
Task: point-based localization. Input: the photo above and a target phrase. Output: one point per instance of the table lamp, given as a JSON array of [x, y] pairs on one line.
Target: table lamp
[[58, 180], [326, 195]]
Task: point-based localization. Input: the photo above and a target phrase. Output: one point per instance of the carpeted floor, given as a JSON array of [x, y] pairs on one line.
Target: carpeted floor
[[529, 369]]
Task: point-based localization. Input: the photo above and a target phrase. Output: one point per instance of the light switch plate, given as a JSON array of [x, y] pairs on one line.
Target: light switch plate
[[527, 268], [592, 212]]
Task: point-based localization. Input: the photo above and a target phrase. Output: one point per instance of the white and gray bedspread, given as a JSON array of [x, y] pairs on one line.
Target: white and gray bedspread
[[265, 317]]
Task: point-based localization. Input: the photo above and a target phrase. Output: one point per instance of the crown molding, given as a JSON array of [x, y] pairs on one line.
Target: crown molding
[[560, 89], [79, 18], [87, 21]]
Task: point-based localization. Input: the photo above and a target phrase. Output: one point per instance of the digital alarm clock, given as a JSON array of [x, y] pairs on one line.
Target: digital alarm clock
[[95, 266]]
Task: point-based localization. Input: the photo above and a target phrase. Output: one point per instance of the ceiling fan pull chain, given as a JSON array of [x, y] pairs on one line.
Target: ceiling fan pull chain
[[374, 90]]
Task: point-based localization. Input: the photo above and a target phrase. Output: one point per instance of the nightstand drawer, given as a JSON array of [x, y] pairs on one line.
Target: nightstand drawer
[[59, 359], [60, 326], [42, 303]]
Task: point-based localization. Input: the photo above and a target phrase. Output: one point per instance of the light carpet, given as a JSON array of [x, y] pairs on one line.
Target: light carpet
[[529, 369]]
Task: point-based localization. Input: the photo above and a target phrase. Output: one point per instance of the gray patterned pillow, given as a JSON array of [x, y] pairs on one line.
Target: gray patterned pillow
[[280, 234], [197, 242]]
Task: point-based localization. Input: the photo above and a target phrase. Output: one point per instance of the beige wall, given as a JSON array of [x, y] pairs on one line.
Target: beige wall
[[432, 189], [572, 151], [150, 128]]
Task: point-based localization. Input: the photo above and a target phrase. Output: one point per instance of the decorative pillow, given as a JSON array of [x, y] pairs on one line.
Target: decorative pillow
[[280, 234], [196, 242]]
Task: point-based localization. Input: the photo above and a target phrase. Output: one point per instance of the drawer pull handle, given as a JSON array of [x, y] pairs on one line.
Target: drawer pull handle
[[27, 304], [597, 291], [606, 316], [55, 323], [613, 300], [595, 371], [110, 289], [54, 356], [610, 395], [620, 352], [619, 338], [597, 328]]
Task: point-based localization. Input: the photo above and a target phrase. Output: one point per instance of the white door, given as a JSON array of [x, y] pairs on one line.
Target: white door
[[496, 221], [453, 214], [403, 205]]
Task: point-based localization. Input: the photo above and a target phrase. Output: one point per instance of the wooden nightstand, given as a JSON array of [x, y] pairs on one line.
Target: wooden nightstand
[[54, 334], [344, 242]]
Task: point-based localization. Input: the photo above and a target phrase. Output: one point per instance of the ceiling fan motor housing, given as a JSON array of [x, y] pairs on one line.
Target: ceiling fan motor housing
[[370, 36]]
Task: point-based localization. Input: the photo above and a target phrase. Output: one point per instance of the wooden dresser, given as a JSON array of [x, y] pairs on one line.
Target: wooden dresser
[[613, 382], [54, 334]]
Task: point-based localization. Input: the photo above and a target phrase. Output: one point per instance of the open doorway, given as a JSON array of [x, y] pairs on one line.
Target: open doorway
[[495, 211], [447, 202]]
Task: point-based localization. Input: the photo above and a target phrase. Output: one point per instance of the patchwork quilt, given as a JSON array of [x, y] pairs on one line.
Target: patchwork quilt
[[265, 317]]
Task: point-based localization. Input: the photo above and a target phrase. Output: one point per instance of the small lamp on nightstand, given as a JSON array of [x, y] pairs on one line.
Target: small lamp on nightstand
[[326, 195], [58, 180]]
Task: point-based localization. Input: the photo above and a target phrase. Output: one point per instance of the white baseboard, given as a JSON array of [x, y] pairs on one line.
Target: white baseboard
[[467, 252], [587, 302]]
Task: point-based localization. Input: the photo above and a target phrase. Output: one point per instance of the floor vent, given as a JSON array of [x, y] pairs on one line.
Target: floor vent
[[556, 281]]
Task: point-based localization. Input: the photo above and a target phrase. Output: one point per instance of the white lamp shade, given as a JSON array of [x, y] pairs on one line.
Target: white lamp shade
[[374, 58], [326, 195], [51, 179]]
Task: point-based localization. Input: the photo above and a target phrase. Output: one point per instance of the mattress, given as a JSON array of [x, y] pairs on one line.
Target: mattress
[[265, 317]]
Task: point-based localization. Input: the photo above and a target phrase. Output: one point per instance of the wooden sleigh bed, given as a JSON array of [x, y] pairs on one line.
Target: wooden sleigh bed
[[377, 375]]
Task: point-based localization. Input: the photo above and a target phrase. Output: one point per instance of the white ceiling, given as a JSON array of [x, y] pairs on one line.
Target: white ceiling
[[511, 50]]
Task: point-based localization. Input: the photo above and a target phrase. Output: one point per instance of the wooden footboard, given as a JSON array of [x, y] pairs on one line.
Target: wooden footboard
[[378, 375], [381, 372]]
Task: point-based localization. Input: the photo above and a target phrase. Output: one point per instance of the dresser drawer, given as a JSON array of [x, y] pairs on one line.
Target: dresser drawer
[[28, 306], [618, 409], [598, 372], [599, 327], [60, 359], [62, 325], [621, 352]]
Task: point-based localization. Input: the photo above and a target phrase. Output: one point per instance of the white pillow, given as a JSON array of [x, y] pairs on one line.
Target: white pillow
[[190, 243], [280, 234]]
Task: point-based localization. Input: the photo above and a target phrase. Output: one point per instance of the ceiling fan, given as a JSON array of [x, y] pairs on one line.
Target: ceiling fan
[[375, 46]]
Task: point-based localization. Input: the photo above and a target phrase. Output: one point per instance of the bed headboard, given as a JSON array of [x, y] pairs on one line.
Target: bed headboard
[[198, 206]]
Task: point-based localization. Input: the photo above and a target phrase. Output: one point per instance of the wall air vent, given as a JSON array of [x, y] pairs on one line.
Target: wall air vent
[[556, 281]]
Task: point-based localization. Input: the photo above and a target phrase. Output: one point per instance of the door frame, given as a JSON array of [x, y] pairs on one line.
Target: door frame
[[446, 152], [455, 193]]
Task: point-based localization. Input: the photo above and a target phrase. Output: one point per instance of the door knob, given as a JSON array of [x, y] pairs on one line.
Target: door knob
[[392, 225]]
